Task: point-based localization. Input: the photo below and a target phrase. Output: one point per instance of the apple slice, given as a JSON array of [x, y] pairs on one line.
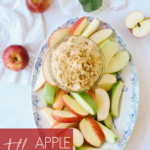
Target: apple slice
[[118, 62], [86, 147], [103, 43], [98, 131], [101, 35], [91, 28], [103, 104], [108, 121], [74, 107], [47, 112], [78, 139], [88, 134], [48, 94], [110, 137], [115, 95], [109, 50], [86, 101], [40, 82], [47, 74], [57, 36], [65, 116], [92, 94], [78, 26], [59, 125], [106, 82], [142, 29], [58, 103]]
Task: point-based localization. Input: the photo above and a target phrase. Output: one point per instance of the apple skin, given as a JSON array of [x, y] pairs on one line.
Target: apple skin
[[96, 128], [15, 58], [38, 6], [92, 94]]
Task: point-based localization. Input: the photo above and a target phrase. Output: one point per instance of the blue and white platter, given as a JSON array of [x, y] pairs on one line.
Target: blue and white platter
[[123, 125]]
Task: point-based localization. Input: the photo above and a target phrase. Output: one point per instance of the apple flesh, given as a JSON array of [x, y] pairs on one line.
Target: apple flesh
[[65, 109], [138, 24], [103, 104], [47, 112], [74, 107], [57, 36], [106, 82], [103, 43], [109, 50], [110, 137], [40, 82], [88, 134], [91, 28], [86, 101], [47, 74], [115, 95], [92, 94], [101, 35], [108, 121], [15, 58], [78, 26], [60, 125], [118, 62], [58, 103], [65, 116], [38, 6]]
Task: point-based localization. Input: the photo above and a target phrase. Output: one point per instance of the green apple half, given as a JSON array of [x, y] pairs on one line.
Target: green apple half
[[108, 121], [48, 94], [85, 147], [86, 101], [109, 50], [118, 62], [110, 137], [115, 95]]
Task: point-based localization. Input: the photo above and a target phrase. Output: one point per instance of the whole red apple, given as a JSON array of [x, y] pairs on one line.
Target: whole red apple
[[15, 57], [38, 6]]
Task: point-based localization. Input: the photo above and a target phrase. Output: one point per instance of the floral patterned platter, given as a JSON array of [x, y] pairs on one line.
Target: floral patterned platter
[[123, 125]]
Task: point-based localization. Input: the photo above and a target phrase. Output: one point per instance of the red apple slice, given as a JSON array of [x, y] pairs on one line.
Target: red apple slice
[[59, 125], [58, 100], [96, 129], [47, 112], [78, 26], [40, 82], [47, 74], [92, 94], [65, 116], [74, 107], [103, 104], [91, 28], [88, 134], [101, 35], [57, 36]]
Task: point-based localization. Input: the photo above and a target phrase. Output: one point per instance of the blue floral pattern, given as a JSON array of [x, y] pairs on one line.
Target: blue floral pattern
[[130, 92]]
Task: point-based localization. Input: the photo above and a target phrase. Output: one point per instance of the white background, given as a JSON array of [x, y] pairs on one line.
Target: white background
[[15, 103]]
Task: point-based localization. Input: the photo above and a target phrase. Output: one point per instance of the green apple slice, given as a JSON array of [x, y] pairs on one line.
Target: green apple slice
[[109, 50], [108, 121], [115, 95], [110, 137], [48, 93], [85, 147], [103, 43], [118, 62], [86, 101]]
